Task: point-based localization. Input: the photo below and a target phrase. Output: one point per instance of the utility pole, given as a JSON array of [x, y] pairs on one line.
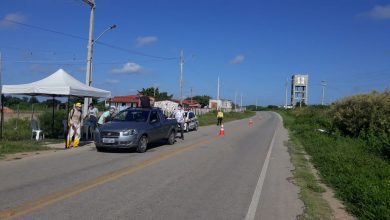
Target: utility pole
[[191, 95], [235, 100], [286, 85], [1, 82], [323, 84], [241, 103], [1, 99], [218, 88], [154, 91], [88, 74], [181, 75], [256, 104]]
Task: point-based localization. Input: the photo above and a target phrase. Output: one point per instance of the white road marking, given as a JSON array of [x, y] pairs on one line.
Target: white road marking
[[256, 195]]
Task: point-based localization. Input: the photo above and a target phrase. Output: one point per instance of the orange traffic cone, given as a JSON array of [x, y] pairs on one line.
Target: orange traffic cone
[[222, 131]]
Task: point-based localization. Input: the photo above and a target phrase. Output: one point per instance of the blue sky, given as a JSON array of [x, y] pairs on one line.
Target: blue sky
[[254, 46]]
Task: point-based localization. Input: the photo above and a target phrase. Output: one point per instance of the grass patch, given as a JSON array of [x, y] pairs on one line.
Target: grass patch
[[11, 147], [211, 118], [315, 206], [359, 177]]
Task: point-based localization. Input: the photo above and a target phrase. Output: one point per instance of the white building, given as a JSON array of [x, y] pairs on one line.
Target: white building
[[224, 104]]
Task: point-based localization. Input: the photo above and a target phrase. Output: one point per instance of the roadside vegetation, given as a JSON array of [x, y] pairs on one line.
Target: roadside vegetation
[[348, 143], [17, 135], [211, 118]]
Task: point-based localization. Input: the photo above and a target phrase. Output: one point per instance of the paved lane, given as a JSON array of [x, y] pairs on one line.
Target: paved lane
[[203, 177]]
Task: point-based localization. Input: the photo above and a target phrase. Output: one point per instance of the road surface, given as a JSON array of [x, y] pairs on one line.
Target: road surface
[[241, 175]]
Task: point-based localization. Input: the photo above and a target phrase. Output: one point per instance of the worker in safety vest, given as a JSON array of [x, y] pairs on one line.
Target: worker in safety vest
[[219, 117], [75, 122]]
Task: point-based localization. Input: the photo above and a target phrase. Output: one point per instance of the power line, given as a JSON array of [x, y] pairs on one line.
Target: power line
[[74, 62], [136, 52], [46, 29], [83, 38]]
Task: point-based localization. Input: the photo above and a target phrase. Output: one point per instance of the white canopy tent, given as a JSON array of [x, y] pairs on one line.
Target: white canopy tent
[[59, 83]]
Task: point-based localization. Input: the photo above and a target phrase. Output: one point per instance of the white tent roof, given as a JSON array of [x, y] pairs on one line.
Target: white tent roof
[[59, 83]]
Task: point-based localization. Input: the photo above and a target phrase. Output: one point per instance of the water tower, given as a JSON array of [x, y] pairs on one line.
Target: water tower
[[299, 89]]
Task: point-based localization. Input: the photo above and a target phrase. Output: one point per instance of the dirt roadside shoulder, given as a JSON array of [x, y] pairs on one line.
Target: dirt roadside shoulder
[[53, 148], [319, 199]]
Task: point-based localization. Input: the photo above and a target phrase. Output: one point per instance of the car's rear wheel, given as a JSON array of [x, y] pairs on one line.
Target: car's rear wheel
[[171, 138], [196, 127], [142, 144]]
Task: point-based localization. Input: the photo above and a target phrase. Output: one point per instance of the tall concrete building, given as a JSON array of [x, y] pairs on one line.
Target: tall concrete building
[[299, 89]]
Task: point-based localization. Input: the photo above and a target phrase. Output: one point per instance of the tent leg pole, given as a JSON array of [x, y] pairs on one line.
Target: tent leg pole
[[67, 123], [52, 120]]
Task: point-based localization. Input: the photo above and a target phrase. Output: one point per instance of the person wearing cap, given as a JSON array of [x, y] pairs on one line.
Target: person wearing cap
[[75, 122], [106, 116]]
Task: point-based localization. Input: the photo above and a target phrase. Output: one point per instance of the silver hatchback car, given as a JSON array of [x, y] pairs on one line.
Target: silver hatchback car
[[135, 128]]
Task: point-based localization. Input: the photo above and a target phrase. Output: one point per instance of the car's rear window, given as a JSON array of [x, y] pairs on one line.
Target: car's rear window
[[132, 115]]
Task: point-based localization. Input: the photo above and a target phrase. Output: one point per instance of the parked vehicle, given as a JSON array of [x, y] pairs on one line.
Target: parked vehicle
[[191, 121], [135, 128]]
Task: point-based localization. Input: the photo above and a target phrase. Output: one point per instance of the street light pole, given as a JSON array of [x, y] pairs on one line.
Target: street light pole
[[91, 42], [88, 73], [181, 75]]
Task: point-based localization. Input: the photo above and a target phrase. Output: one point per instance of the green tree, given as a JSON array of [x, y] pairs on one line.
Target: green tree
[[202, 100], [33, 100], [155, 92], [12, 101]]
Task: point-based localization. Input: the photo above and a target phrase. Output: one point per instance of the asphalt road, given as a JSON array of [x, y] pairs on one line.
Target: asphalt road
[[242, 175]]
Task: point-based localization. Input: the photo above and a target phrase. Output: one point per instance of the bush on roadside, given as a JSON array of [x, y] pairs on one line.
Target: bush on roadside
[[366, 116], [359, 177], [46, 119], [17, 129]]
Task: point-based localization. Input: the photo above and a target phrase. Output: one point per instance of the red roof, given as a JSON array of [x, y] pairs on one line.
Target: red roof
[[127, 99], [190, 102], [7, 110]]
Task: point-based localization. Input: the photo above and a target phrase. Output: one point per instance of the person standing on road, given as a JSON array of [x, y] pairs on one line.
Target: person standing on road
[[106, 116], [91, 119], [179, 116], [92, 115], [219, 117], [75, 122]]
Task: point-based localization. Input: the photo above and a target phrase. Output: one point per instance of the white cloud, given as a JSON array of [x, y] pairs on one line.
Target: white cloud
[[6, 21], [128, 68], [111, 81], [238, 59], [143, 41], [380, 12]]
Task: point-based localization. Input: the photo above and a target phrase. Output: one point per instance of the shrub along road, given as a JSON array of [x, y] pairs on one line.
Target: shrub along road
[[242, 175]]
